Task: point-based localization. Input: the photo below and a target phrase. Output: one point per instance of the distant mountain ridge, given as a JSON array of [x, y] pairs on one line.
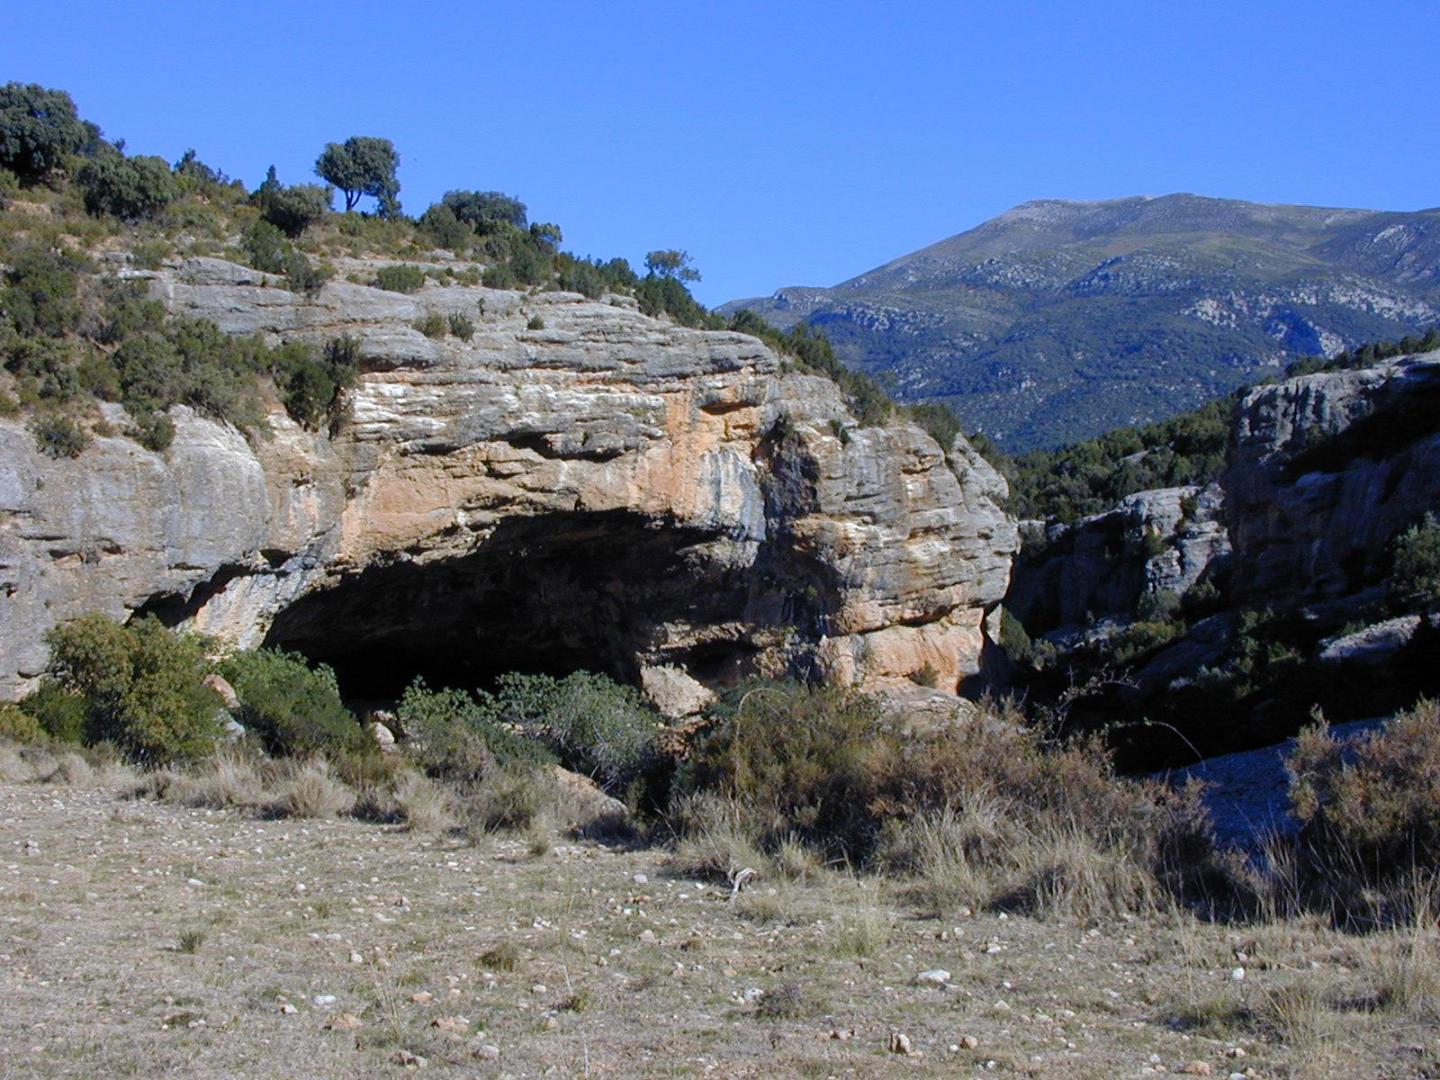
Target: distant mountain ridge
[[1058, 320]]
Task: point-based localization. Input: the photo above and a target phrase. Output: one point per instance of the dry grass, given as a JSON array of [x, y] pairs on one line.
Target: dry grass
[[714, 843], [227, 780], [309, 790], [423, 805]]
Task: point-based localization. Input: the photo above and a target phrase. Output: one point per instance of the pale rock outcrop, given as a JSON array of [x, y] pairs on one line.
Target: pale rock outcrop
[[610, 488], [1154, 542], [1326, 470]]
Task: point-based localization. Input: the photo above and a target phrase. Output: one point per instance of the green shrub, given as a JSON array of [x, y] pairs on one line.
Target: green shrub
[[292, 209], [1415, 565], [153, 430], [486, 211], [433, 325], [595, 726], [461, 326], [989, 805], [535, 323], [313, 387], [440, 224], [455, 737], [401, 278], [62, 714], [294, 709], [265, 247], [143, 686], [302, 276], [39, 128], [58, 436], [798, 759], [498, 277], [41, 292], [19, 725], [126, 188]]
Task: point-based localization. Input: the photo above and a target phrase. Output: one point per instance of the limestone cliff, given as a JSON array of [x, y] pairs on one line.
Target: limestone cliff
[[1325, 470], [576, 485]]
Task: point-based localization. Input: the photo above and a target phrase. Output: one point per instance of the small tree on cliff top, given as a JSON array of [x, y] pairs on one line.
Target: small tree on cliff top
[[363, 165]]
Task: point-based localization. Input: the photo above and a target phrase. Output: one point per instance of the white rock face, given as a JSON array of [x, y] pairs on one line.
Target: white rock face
[[520, 464]]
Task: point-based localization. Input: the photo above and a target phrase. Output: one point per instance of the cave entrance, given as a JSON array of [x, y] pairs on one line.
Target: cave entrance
[[549, 594]]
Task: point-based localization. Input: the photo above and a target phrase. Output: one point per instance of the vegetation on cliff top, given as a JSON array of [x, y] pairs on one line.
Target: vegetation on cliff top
[[71, 203]]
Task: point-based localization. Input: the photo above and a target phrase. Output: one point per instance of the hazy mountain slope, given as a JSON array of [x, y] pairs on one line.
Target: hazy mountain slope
[[1058, 320]]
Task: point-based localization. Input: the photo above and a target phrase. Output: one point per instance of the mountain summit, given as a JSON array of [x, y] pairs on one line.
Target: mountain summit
[[1058, 319]]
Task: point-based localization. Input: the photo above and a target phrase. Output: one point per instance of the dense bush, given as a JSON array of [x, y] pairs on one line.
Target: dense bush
[[313, 387], [39, 128], [800, 760], [595, 725], [444, 229], [41, 292], [265, 247], [485, 211], [19, 725], [291, 209], [987, 812], [58, 436], [1369, 808], [401, 278], [127, 188], [62, 714], [1415, 566], [292, 708], [455, 737], [142, 686]]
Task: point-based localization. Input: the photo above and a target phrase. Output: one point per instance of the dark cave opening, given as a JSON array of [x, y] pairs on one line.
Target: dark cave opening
[[552, 594]]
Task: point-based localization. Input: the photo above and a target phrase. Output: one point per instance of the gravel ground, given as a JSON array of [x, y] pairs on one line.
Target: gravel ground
[[146, 939]]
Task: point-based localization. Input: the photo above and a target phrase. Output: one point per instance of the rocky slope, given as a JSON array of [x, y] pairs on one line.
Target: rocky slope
[[577, 486], [1285, 561], [1059, 320]]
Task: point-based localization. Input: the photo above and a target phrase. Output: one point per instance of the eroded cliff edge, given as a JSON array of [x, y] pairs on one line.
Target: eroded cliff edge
[[578, 485]]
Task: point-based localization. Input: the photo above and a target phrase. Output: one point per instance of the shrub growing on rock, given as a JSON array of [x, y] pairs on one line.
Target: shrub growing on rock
[[1415, 573], [402, 278]]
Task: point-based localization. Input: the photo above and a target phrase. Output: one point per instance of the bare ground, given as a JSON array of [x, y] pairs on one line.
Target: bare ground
[[146, 939]]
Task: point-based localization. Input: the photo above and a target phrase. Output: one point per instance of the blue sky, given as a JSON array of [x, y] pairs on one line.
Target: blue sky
[[780, 143]]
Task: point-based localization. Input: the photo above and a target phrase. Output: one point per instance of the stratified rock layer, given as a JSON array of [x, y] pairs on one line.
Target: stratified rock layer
[[608, 491]]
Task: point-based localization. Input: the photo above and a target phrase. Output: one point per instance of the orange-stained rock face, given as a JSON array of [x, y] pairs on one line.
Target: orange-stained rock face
[[622, 488]]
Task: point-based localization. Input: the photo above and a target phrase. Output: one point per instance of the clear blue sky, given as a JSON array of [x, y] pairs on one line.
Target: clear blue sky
[[780, 143]]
